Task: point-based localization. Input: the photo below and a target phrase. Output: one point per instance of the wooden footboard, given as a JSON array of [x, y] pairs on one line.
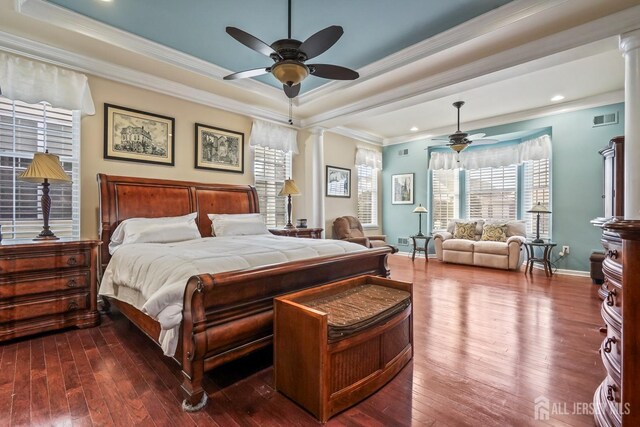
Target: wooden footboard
[[229, 315]]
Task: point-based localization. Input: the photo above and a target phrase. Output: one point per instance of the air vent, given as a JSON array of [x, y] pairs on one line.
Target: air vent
[[403, 241], [605, 119], [403, 152]]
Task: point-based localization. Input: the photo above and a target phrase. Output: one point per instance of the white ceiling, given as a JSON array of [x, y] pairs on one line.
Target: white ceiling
[[505, 64]]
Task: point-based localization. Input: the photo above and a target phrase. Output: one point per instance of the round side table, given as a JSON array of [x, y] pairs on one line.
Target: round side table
[[420, 248], [544, 259]]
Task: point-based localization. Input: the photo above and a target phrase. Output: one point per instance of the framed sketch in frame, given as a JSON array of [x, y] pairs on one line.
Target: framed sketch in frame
[[402, 189], [338, 182], [137, 136], [219, 149]]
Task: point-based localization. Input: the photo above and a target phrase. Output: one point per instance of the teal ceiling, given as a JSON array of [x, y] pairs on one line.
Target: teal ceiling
[[373, 29]]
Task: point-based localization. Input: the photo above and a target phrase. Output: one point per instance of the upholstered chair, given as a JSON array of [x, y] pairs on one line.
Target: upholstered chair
[[349, 228]]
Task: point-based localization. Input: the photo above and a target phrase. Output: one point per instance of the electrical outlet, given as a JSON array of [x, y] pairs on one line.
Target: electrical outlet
[[565, 250]]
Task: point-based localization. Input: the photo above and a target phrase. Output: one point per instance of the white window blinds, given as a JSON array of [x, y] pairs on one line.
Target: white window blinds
[[25, 129], [270, 168], [367, 195], [537, 189], [445, 188], [492, 192]]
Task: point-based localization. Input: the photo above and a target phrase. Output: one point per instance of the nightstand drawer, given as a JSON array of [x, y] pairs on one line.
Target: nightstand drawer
[[44, 261], [37, 308], [20, 286]]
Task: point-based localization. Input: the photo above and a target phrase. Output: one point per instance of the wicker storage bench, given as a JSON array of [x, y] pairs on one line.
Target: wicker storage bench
[[336, 344]]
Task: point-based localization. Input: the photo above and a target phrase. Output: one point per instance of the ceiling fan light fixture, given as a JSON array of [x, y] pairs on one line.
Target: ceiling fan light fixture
[[290, 72], [458, 146]]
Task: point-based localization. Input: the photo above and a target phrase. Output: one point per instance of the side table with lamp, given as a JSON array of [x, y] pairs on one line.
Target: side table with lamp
[[291, 189], [538, 209], [418, 237], [545, 247]]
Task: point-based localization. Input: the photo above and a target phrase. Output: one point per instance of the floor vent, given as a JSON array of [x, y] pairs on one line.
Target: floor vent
[[605, 119], [403, 241], [403, 152]]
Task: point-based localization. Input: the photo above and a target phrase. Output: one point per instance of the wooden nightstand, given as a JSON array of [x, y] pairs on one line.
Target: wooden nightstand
[[307, 233], [47, 285]]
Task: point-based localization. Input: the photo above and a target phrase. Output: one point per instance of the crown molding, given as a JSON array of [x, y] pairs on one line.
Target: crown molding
[[503, 16], [549, 110], [53, 55], [487, 70], [359, 135], [73, 21]]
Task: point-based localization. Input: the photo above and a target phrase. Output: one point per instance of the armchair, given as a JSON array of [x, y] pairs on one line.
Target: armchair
[[349, 228]]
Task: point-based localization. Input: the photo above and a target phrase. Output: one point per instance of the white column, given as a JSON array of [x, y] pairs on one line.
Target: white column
[[315, 177], [630, 46]]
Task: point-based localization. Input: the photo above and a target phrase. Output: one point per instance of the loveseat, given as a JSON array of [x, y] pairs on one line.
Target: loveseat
[[464, 243]]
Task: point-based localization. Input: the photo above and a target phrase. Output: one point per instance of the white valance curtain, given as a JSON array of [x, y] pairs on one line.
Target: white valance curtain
[[276, 137], [366, 157], [33, 82], [533, 149]]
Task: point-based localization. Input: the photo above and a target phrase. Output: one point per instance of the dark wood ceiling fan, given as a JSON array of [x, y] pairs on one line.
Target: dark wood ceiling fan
[[289, 56], [459, 140]]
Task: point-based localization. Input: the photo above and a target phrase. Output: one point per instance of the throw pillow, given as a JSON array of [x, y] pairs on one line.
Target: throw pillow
[[494, 233], [465, 230]]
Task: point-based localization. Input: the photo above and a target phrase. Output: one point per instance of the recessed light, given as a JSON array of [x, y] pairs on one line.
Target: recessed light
[[414, 129], [557, 98]]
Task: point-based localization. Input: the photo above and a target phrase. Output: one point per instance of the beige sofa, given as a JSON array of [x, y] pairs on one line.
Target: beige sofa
[[504, 255]]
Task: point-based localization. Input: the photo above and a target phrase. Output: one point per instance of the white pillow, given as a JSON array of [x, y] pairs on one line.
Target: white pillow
[[119, 234], [164, 232], [237, 224]]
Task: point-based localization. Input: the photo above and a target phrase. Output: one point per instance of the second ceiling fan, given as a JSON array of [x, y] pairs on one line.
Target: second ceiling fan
[[289, 56], [459, 140]]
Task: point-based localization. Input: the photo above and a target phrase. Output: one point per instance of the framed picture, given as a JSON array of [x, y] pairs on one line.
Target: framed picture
[[338, 182], [137, 136], [402, 189], [219, 149]]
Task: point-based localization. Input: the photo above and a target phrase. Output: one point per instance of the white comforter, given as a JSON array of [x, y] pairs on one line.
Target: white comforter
[[159, 271]]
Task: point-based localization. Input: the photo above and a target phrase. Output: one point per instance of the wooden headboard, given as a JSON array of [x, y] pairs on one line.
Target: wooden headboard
[[123, 197]]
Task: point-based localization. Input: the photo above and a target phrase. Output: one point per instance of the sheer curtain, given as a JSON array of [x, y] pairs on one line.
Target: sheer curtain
[[533, 149], [33, 82], [276, 137], [371, 158]]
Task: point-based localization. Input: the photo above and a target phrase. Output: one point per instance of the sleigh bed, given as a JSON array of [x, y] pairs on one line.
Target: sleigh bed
[[225, 315]]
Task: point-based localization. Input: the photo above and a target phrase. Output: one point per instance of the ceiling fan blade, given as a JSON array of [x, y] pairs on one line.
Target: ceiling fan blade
[[251, 41], [291, 91], [335, 72], [484, 141], [321, 41], [247, 73], [476, 136]]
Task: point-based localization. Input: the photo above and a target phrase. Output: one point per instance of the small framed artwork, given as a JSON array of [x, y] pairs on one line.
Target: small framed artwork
[[402, 189], [137, 136], [219, 149], [338, 182]]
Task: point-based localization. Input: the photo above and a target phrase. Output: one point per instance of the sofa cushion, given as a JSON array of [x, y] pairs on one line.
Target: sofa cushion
[[465, 230], [451, 225], [515, 227], [462, 245], [496, 248], [494, 233]]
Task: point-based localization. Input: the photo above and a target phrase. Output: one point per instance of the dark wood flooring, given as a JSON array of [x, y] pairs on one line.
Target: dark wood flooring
[[487, 344]]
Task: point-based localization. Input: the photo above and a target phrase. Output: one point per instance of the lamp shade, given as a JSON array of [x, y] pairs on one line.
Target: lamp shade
[[539, 208], [44, 166], [420, 209], [289, 188], [290, 72]]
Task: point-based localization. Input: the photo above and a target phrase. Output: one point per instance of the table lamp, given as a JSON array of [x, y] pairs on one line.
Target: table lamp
[[538, 209], [45, 168], [420, 210], [289, 189]]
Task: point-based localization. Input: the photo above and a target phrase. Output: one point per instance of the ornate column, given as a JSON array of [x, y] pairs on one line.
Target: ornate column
[[630, 47], [315, 177]]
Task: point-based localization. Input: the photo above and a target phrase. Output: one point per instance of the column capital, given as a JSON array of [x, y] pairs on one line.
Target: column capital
[[630, 40], [317, 130]]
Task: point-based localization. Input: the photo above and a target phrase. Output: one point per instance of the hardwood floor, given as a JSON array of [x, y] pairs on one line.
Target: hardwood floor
[[487, 344]]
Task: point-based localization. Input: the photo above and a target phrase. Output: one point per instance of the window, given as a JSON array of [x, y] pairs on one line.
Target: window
[[492, 192], [445, 190], [536, 189], [270, 169], [367, 195], [25, 129]]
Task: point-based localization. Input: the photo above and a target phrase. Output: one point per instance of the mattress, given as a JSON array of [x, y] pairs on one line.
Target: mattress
[[153, 276]]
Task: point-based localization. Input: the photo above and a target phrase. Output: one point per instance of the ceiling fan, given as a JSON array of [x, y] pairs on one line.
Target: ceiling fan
[[289, 56], [459, 140]]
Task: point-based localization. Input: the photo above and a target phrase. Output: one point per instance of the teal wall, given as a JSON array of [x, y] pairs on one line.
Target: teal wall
[[576, 179]]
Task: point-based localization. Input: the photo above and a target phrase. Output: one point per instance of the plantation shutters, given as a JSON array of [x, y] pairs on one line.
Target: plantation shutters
[[367, 195], [492, 192], [445, 187], [537, 188], [271, 167]]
